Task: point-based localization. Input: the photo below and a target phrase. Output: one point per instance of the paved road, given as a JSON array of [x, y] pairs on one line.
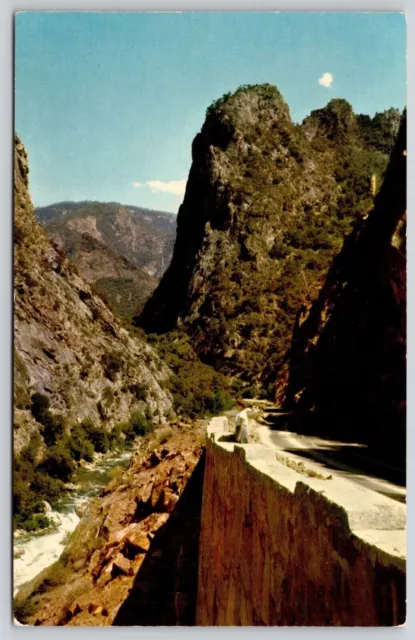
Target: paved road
[[327, 457]]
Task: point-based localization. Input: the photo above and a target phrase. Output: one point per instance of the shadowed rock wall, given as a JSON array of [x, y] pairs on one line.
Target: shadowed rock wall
[[279, 548], [347, 372]]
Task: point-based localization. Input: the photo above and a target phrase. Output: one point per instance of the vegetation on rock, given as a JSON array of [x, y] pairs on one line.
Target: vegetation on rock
[[121, 251], [198, 390], [267, 206], [77, 372], [347, 373]]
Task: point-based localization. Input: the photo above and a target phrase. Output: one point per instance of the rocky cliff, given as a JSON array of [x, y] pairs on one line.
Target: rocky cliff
[[72, 360], [267, 206], [132, 560], [122, 250], [348, 354]]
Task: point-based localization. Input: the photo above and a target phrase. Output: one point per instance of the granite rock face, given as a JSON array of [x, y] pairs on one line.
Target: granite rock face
[[266, 208], [68, 345], [348, 354]]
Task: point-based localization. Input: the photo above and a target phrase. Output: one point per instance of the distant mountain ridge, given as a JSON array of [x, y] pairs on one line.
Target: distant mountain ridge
[[122, 250]]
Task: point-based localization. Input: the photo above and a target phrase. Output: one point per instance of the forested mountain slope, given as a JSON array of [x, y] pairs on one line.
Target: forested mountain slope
[[267, 206], [123, 251]]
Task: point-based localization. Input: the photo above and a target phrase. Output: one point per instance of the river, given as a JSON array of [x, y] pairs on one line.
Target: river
[[33, 553]]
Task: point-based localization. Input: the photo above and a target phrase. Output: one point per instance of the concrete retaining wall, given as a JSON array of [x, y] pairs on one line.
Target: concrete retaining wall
[[279, 548]]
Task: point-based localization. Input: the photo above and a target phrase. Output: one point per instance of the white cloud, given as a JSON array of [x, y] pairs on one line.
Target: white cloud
[[176, 187], [326, 80]]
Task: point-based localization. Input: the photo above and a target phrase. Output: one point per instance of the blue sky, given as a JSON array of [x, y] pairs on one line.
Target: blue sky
[[107, 104]]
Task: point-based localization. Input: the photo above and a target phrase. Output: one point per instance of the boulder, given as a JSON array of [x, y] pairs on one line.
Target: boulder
[[121, 566]]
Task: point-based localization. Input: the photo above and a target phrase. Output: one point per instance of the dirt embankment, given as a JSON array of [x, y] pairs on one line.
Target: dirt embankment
[[132, 560]]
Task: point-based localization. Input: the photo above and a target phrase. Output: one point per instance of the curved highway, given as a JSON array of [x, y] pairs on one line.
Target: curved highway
[[328, 457]]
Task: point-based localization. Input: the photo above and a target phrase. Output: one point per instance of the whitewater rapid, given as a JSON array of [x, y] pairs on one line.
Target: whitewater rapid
[[39, 552], [33, 553]]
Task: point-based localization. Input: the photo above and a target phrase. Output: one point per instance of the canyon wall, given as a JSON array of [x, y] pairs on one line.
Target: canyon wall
[[68, 345], [280, 548], [268, 204], [347, 369]]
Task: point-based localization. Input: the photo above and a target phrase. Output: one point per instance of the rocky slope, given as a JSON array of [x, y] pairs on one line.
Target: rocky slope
[[348, 355], [133, 558], [123, 286], [143, 236], [122, 250], [68, 345], [266, 208]]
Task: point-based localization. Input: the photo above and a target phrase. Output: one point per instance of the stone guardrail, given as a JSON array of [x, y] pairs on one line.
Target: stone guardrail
[[280, 548]]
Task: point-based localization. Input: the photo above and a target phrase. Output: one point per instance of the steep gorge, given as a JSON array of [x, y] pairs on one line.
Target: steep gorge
[[267, 207]]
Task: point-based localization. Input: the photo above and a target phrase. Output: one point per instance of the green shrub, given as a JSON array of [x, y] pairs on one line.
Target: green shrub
[[97, 436], [31, 450], [79, 445], [222, 401], [138, 391], [115, 436], [28, 496], [250, 392], [139, 424], [36, 522], [100, 442], [108, 395], [128, 432], [40, 404], [53, 428], [46, 488], [33, 484], [112, 364], [58, 464], [53, 425], [164, 435]]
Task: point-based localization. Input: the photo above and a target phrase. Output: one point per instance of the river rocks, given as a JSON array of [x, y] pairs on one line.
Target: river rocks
[[121, 566], [81, 508], [122, 535]]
